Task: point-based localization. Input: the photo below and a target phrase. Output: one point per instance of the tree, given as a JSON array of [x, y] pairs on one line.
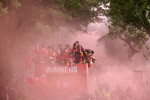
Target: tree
[[78, 12], [129, 20], [83, 12]]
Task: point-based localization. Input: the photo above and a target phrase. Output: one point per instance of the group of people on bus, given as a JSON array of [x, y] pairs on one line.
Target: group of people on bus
[[43, 56], [62, 56]]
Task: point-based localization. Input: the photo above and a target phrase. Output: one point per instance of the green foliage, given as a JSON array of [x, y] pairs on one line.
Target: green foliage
[[72, 4], [82, 12], [135, 39], [132, 12], [129, 20], [79, 12]]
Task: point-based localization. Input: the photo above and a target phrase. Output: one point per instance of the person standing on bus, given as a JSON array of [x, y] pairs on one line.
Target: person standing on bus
[[87, 56], [75, 47]]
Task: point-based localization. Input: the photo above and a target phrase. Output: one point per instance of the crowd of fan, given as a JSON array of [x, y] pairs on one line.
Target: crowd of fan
[[76, 54]]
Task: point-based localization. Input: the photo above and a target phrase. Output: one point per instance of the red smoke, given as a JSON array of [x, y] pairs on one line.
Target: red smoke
[[113, 76]]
